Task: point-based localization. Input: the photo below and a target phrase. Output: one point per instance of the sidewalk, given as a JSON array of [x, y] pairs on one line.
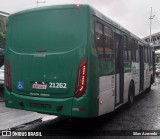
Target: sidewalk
[[10, 118]]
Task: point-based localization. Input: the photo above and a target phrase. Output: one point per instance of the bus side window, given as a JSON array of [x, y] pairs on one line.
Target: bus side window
[[149, 53], [137, 51], [108, 43], [144, 54], [145, 51], [126, 47], [99, 39], [134, 50], [152, 59], [129, 49]]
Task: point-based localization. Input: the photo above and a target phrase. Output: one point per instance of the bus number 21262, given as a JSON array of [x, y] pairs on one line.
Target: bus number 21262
[[57, 85]]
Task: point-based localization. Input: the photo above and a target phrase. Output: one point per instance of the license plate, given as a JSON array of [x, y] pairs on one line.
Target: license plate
[[39, 86]]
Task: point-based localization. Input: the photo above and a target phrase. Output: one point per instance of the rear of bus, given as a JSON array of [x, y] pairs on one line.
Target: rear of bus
[[47, 61]]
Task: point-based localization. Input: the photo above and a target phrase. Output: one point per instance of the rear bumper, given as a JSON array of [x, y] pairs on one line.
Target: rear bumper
[[71, 107]]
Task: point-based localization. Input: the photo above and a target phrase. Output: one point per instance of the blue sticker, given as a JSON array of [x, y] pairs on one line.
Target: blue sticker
[[20, 85]]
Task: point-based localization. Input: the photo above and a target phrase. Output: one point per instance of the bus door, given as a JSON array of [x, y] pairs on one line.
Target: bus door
[[141, 51], [119, 69]]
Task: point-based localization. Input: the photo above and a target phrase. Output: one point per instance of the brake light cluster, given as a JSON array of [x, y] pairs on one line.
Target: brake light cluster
[[81, 79], [78, 5], [7, 74]]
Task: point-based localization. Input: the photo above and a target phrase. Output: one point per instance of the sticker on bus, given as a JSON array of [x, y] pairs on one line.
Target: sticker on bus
[[39, 86], [20, 85]]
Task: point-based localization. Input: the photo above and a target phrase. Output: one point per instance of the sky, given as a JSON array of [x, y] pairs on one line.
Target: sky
[[131, 14]]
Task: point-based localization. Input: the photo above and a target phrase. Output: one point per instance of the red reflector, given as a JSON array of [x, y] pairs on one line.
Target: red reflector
[[82, 109], [7, 75], [81, 79], [40, 50], [78, 5]]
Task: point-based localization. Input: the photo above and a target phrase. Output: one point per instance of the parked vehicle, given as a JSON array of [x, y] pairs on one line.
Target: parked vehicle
[[2, 76], [1, 56]]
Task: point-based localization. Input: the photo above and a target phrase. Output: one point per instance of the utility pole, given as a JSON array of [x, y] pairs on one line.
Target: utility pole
[[151, 17], [39, 2]]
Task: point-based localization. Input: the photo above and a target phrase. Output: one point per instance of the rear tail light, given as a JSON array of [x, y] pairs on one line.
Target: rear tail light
[[81, 79], [8, 78]]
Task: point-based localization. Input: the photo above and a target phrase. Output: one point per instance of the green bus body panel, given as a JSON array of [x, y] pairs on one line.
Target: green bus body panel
[[61, 34], [46, 45]]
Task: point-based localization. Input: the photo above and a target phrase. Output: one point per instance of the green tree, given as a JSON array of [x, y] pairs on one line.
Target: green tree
[[3, 23]]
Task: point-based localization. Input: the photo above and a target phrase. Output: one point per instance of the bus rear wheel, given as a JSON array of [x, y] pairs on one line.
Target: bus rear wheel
[[131, 95]]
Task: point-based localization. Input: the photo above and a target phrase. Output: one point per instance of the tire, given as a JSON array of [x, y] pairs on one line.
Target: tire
[[131, 94]]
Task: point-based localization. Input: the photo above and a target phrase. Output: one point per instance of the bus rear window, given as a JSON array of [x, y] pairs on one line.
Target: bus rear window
[[54, 29]]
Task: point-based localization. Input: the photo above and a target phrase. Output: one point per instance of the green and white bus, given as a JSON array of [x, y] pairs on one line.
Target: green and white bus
[[71, 60]]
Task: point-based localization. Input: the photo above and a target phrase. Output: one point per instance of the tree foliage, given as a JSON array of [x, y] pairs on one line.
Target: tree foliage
[[3, 23]]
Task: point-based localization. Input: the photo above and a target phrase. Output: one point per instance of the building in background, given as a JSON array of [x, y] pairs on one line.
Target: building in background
[[155, 42]]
